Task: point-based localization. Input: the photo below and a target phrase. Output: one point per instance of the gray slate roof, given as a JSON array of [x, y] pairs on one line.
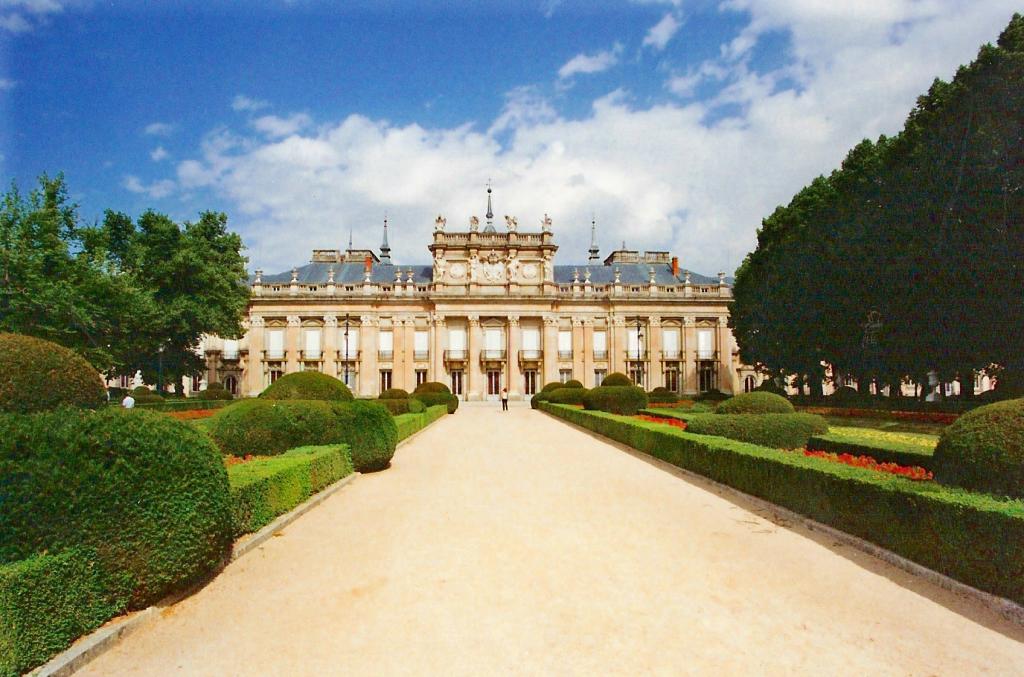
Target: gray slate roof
[[352, 273]]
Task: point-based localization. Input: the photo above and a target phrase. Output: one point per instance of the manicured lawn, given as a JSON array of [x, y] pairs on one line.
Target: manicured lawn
[[918, 443], [886, 425]]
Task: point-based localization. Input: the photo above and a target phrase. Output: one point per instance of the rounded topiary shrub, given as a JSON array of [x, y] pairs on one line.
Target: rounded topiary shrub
[[625, 400], [370, 432], [147, 493], [268, 427], [616, 378], [713, 395], [143, 395], [572, 383], [307, 385], [432, 393], [983, 450], [662, 395], [755, 403], [400, 406], [215, 391], [567, 396], [554, 385], [37, 375], [537, 399], [394, 394], [779, 431]]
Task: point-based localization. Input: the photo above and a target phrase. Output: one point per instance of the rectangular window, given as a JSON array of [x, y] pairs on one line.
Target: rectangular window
[[348, 347], [457, 343], [276, 374], [385, 379], [230, 349], [421, 376], [530, 382], [599, 375], [311, 345], [672, 380], [600, 345], [348, 376], [456, 382], [126, 381], [564, 375], [564, 345], [705, 344], [421, 342], [386, 346], [275, 344], [531, 343], [197, 382], [635, 343], [670, 343]]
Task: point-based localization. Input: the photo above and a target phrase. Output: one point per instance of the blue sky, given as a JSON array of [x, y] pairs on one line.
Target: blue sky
[[676, 125]]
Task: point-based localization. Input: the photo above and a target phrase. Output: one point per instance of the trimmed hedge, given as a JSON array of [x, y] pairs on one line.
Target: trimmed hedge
[[616, 379], [215, 391], [398, 407], [778, 431], [48, 601], [983, 450], [272, 427], [567, 395], [626, 400], [432, 387], [394, 394], [308, 385], [265, 488], [572, 383], [973, 538], [143, 395], [147, 492], [756, 403], [38, 375], [662, 395], [433, 393], [713, 395], [882, 454], [409, 424]]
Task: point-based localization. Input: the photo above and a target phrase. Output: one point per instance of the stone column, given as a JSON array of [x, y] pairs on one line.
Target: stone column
[[475, 340], [578, 347], [689, 362], [654, 343], [329, 345], [514, 341], [409, 356], [252, 378], [588, 353], [293, 335], [727, 381], [617, 355], [368, 356], [437, 349], [550, 349]]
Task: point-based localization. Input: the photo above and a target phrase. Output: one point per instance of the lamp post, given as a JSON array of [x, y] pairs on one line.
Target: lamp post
[[639, 362], [347, 320]]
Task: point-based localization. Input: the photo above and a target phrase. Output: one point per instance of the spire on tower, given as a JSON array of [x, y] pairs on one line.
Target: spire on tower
[[593, 240], [489, 228], [350, 239], [385, 250]]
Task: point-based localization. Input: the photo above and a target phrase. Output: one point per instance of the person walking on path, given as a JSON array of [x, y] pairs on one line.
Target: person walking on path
[[504, 399]]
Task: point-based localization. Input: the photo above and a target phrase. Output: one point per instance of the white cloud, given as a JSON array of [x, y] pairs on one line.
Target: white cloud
[[156, 189], [664, 176], [7, 83], [21, 16], [159, 129], [686, 85], [587, 63], [244, 103], [14, 23], [663, 31], [159, 153], [274, 126]]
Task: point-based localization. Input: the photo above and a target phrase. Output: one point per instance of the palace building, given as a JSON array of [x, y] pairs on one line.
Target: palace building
[[492, 310]]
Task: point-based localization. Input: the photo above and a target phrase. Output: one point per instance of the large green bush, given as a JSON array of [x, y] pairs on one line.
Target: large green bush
[[973, 538], [567, 395], [662, 395], [984, 450], [779, 431], [409, 424], [143, 395], [615, 379], [394, 394], [397, 407], [147, 492], [756, 403], [433, 393], [37, 375], [48, 601], [265, 488], [215, 391], [572, 383], [307, 385], [272, 427], [626, 400]]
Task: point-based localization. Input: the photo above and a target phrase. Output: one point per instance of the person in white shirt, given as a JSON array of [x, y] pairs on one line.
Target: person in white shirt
[[128, 402]]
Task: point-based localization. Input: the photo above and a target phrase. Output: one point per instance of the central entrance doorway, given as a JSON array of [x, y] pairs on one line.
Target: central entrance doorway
[[457, 382], [493, 384]]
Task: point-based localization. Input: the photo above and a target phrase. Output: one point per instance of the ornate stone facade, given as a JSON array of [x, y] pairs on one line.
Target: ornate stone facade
[[491, 311]]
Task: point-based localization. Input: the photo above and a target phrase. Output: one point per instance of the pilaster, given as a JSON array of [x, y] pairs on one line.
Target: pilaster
[[617, 356], [578, 348], [329, 346], [514, 340], [588, 353], [252, 377], [437, 345], [291, 347], [689, 367], [654, 343], [475, 389], [368, 378], [550, 349]]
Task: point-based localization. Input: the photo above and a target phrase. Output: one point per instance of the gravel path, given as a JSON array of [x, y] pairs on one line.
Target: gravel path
[[514, 543]]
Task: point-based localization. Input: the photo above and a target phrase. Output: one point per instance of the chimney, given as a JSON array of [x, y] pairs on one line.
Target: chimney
[[675, 266], [367, 264]]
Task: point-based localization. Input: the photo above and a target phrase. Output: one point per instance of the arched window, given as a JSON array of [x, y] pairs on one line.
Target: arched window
[[231, 384]]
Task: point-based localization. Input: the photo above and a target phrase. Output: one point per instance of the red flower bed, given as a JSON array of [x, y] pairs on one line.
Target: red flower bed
[[681, 404], [674, 422], [231, 460], [192, 414], [915, 472]]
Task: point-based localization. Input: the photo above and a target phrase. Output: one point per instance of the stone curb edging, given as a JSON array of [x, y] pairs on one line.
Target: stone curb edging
[[103, 639], [1008, 609]]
